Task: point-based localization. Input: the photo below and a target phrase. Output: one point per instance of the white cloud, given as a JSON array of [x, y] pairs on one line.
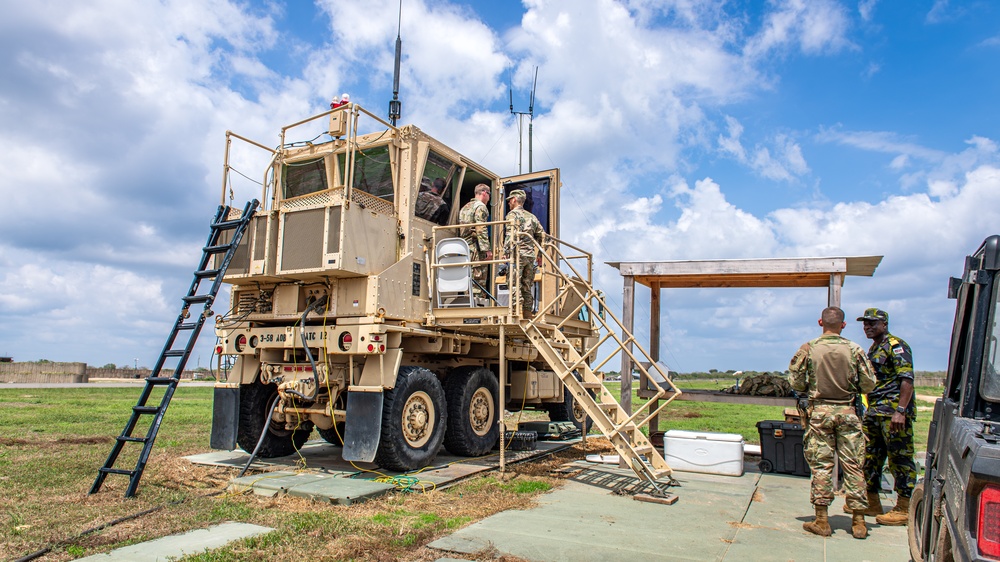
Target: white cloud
[[814, 27], [866, 8], [785, 164]]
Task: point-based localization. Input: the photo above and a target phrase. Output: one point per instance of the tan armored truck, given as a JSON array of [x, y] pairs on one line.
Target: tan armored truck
[[354, 311]]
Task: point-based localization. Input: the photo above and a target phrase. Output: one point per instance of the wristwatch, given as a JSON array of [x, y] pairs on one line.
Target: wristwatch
[[901, 410]]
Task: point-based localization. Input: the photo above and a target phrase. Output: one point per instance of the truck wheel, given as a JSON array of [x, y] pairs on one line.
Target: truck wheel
[[942, 548], [334, 435], [254, 400], [569, 410], [413, 421], [471, 393], [914, 531]]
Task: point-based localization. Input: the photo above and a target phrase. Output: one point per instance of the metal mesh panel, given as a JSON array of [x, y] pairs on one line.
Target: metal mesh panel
[[333, 236], [317, 200], [302, 240], [373, 203]]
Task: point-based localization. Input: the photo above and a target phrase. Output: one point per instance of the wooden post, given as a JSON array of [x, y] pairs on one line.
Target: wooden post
[[836, 283], [628, 321], [654, 346]]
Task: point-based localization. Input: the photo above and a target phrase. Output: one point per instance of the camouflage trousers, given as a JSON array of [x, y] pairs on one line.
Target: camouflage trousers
[[479, 272], [897, 448], [835, 429], [527, 284]]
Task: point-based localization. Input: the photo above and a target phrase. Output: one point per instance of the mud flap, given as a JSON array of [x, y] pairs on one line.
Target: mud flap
[[362, 437], [225, 418]]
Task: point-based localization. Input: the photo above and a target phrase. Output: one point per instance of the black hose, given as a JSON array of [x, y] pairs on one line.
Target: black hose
[[267, 426], [312, 362]]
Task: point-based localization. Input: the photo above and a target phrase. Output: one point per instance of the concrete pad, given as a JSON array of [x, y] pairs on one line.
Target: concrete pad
[[328, 477], [752, 517], [586, 522], [186, 544]]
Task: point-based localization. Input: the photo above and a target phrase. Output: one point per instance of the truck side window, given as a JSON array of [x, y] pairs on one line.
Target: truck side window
[[303, 178]]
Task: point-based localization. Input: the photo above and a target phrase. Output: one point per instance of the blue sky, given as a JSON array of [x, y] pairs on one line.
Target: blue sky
[[684, 129]]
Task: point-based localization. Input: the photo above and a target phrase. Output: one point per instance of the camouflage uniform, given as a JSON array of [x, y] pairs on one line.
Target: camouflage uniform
[[833, 370], [475, 211], [893, 363], [432, 207], [528, 227]]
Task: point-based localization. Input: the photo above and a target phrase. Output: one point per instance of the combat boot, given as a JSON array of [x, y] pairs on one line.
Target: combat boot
[[821, 525], [874, 505], [898, 516], [858, 528]]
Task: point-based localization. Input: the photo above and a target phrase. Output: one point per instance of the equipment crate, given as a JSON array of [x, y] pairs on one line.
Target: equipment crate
[[781, 448]]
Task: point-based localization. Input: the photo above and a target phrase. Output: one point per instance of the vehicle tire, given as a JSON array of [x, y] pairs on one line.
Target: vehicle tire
[[765, 466], [569, 410], [414, 417], [254, 400], [334, 435], [914, 533], [472, 397]]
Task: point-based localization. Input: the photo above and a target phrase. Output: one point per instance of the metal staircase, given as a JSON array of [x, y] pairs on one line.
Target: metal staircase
[[570, 358], [223, 240]]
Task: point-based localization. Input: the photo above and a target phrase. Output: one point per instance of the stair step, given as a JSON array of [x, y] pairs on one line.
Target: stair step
[[591, 385], [216, 249], [131, 439], [187, 326], [227, 225], [644, 449], [174, 353], [206, 273], [657, 474], [145, 409], [161, 380], [194, 299], [608, 406], [107, 470]]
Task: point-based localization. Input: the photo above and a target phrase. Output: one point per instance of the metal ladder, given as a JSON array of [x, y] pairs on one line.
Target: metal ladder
[[223, 240], [570, 361]]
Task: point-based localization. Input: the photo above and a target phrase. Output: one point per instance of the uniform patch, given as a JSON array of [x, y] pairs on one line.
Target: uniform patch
[[898, 349]]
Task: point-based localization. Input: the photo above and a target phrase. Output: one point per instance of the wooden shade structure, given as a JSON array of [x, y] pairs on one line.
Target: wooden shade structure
[[828, 272]]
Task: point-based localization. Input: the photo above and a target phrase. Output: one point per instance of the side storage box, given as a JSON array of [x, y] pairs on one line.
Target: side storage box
[[710, 453], [781, 448]]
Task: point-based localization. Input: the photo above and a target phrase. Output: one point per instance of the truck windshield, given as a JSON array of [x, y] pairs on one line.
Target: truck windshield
[[303, 178], [989, 383]]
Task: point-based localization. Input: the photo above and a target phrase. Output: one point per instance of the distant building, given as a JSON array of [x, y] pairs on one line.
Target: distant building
[[6, 359]]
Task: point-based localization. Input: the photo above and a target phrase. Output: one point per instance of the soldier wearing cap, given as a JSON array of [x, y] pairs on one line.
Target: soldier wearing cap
[[522, 227], [888, 422]]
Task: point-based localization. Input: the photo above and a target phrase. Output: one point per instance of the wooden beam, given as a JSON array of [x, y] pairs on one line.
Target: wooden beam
[[654, 347], [628, 321], [836, 283], [737, 280], [733, 267]]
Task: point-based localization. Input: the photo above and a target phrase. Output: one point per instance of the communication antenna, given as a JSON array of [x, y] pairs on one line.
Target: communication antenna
[[520, 120], [396, 106]]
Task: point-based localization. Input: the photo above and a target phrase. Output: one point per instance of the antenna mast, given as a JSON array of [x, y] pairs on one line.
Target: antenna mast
[[520, 120], [396, 106]]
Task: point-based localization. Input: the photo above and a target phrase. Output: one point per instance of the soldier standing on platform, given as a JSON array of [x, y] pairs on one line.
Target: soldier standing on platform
[[832, 371], [476, 211], [522, 227]]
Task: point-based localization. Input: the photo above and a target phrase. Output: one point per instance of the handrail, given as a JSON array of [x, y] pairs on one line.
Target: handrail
[[226, 167]]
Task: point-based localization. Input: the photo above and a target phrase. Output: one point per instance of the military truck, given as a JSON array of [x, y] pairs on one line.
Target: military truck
[[353, 309], [955, 508]]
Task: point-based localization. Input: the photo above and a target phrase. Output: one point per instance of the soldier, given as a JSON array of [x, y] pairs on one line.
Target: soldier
[[524, 226], [476, 211], [833, 370], [430, 205], [888, 423]]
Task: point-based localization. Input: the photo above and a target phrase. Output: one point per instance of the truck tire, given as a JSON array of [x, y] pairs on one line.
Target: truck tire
[[254, 400], [914, 532], [570, 411], [942, 547], [334, 435], [414, 417], [471, 393]]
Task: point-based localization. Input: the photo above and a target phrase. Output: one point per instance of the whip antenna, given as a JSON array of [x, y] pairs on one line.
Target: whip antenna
[[396, 106]]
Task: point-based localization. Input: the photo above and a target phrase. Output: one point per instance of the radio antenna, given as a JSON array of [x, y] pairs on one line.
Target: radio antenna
[[520, 120], [396, 106]]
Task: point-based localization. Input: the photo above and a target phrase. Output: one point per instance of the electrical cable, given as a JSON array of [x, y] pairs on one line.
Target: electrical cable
[[267, 425]]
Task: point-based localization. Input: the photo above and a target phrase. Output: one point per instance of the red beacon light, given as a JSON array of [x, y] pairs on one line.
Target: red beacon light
[[344, 100]]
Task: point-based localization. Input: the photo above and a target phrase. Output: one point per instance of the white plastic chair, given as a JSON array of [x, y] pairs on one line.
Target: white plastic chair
[[453, 284]]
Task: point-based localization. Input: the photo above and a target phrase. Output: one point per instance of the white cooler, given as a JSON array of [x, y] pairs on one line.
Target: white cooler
[[710, 453]]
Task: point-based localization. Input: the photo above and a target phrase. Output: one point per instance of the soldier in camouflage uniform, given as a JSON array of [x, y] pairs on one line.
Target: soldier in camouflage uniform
[[522, 227], [430, 205], [832, 370], [888, 423], [476, 211]]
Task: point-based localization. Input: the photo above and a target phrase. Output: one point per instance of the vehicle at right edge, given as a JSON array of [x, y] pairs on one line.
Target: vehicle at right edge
[[955, 509]]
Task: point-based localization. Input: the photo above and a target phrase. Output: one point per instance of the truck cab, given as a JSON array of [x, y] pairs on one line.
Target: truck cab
[[955, 508]]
